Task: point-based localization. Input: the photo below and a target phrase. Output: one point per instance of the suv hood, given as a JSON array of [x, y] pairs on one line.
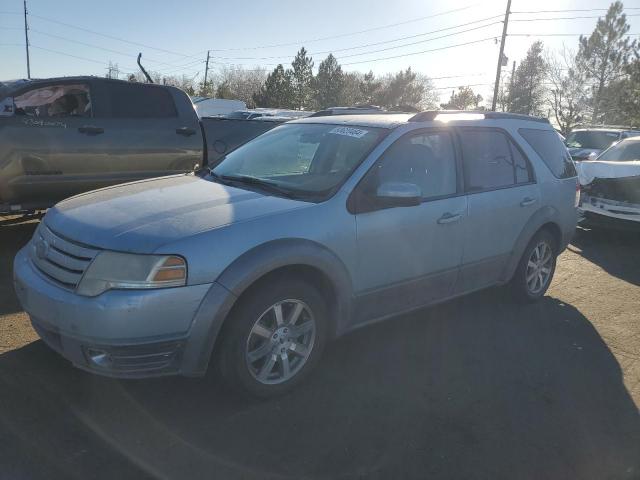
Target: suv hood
[[142, 216]]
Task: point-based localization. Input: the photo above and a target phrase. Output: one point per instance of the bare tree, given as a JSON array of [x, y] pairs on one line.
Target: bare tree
[[567, 96]]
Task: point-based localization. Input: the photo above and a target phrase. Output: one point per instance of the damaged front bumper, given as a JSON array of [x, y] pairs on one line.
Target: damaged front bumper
[[608, 213]]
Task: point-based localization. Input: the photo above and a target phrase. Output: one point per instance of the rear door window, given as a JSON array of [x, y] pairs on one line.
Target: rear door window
[[54, 101], [491, 160], [551, 150], [140, 101]]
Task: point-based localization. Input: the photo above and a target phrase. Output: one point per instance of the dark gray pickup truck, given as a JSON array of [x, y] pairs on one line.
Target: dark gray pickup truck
[[64, 136]]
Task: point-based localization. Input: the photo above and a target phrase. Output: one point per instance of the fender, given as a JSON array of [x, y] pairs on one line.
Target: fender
[[247, 269], [542, 216]]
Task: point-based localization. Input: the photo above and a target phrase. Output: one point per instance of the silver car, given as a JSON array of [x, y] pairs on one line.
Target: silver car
[[311, 230]]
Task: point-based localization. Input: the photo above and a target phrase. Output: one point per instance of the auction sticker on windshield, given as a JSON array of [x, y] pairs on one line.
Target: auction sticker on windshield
[[349, 132]]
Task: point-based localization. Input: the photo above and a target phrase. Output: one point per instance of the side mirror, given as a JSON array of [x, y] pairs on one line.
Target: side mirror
[[592, 156], [398, 194]]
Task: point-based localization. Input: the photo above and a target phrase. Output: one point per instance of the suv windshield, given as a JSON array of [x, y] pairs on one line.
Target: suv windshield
[[304, 160], [625, 151], [598, 140]]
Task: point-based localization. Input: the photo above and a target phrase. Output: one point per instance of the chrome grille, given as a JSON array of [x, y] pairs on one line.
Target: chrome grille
[[59, 259]]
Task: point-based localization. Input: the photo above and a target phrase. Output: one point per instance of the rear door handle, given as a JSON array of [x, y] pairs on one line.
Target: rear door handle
[[91, 130], [528, 201], [186, 131], [449, 218]]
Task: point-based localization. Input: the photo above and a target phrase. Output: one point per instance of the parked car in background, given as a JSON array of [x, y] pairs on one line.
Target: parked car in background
[[610, 194], [588, 143], [63, 136], [215, 107], [315, 228]]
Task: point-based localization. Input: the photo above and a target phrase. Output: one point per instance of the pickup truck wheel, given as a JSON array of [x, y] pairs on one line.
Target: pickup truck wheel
[[536, 268], [275, 337]]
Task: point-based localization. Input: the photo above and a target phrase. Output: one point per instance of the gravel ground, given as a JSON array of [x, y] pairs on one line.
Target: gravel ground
[[476, 388]]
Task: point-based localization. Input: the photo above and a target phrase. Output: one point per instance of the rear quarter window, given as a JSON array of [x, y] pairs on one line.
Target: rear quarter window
[[550, 149], [140, 101]]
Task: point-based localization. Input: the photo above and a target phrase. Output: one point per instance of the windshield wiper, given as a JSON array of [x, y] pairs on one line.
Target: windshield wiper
[[254, 181]]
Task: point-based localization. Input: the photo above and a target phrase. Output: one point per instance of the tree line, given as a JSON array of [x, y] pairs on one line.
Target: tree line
[[597, 83]]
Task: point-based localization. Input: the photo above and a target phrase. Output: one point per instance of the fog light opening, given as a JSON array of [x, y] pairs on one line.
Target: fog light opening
[[99, 358]]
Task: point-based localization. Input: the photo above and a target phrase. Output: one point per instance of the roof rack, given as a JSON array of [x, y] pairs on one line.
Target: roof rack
[[431, 115], [620, 127]]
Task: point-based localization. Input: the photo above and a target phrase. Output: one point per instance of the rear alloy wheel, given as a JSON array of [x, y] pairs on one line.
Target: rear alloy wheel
[[537, 266], [274, 337]]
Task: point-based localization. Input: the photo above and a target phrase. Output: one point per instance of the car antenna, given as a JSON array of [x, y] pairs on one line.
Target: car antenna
[[142, 68]]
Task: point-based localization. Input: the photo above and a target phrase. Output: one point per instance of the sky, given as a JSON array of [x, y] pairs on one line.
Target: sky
[[80, 37]]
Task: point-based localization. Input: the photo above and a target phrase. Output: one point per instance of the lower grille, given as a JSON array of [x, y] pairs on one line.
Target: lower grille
[[61, 260]]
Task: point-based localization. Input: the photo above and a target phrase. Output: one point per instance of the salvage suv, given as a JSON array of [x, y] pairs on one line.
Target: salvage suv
[[311, 230]]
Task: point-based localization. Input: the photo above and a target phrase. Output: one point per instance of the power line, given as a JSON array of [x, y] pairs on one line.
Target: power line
[[562, 18], [172, 66], [574, 10], [421, 52], [348, 34], [70, 55], [384, 42], [559, 34], [110, 36]]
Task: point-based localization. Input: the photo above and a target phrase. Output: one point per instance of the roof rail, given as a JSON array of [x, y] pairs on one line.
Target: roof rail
[[600, 125], [431, 115]]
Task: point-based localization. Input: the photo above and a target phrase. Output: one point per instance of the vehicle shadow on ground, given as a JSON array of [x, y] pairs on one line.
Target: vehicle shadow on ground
[[15, 232], [616, 252], [476, 388]]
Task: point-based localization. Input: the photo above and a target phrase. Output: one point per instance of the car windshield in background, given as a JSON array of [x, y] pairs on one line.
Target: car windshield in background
[[591, 139], [308, 161], [623, 152]]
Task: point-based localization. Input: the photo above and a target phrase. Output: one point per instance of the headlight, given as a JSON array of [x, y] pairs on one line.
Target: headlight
[[125, 270]]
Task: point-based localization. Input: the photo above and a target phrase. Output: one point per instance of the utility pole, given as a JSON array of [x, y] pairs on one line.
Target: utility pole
[[206, 71], [26, 39], [504, 36]]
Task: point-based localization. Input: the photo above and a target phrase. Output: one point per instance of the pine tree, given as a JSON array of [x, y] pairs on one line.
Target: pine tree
[[604, 55], [277, 91], [302, 66], [370, 88], [465, 99], [402, 90], [329, 83], [527, 92]]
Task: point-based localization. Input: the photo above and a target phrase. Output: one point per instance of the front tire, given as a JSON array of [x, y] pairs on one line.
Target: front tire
[[274, 337], [536, 268]]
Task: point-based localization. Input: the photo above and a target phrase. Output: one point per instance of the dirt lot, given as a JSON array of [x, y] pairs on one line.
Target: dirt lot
[[476, 388]]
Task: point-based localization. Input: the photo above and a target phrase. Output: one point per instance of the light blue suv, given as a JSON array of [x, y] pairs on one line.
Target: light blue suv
[[317, 227]]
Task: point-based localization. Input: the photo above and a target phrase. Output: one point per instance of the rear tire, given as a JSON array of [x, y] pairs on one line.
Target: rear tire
[[273, 338], [536, 268]]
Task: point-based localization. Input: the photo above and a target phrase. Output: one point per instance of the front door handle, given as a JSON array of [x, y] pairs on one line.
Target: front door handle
[[186, 131], [91, 130], [528, 201], [449, 218]]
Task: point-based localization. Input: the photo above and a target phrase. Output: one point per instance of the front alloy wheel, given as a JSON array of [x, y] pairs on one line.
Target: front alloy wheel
[[274, 336], [280, 341]]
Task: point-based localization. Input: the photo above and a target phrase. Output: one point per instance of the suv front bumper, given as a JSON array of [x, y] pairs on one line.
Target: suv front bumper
[[122, 333]]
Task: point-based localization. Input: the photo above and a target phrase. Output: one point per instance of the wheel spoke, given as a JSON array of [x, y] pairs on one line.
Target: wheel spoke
[[267, 367], [261, 331], [295, 314], [299, 349], [541, 278], [259, 352], [545, 270], [284, 362], [532, 264], [531, 276], [277, 310], [301, 329]]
